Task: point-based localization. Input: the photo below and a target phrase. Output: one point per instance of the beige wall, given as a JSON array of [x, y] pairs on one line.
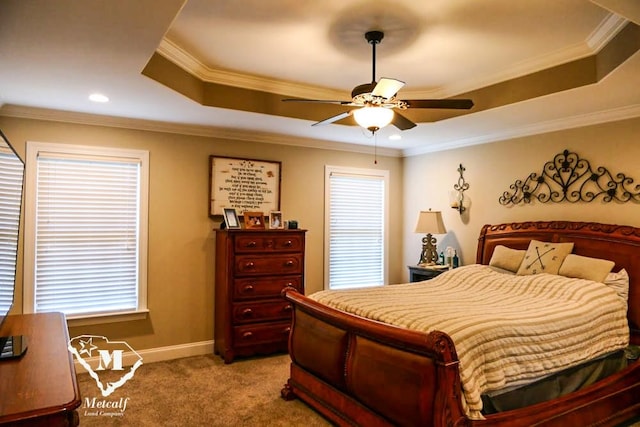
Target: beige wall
[[181, 236], [492, 168]]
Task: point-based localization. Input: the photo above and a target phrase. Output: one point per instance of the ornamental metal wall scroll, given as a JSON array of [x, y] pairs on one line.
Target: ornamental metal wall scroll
[[456, 198], [569, 178]]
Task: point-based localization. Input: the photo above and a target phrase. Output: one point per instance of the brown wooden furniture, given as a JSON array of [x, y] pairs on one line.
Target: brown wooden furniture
[[418, 274], [40, 388], [356, 371], [252, 268]]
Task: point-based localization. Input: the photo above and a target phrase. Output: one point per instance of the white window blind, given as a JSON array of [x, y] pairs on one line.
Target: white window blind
[[356, 228], [11, 174], [87, 244]]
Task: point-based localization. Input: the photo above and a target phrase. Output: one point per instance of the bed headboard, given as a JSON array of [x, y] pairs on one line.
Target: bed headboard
[[618, 243]]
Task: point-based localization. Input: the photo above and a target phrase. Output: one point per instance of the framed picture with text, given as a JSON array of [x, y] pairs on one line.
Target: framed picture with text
[[246, 185]]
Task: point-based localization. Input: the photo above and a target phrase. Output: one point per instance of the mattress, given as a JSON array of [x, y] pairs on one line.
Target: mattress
[[508, 330]]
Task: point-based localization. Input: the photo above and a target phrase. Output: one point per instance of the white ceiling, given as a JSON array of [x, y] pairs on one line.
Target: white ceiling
[[53, 54]]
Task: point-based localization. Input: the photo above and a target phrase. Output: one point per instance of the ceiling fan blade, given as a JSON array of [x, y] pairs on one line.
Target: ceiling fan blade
[[333, 119], [401, 122], [387, 88], [455, 104], [318, 101]]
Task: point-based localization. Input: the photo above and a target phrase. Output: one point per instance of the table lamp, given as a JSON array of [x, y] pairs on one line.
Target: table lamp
[[429, 222]]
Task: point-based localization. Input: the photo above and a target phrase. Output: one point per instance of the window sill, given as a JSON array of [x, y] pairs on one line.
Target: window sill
[[99, 319]]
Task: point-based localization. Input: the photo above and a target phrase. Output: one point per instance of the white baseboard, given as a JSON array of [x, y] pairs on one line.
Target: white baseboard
[[159, 354]]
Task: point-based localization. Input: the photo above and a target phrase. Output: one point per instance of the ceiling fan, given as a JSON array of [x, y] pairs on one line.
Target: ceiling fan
[[377, 100]]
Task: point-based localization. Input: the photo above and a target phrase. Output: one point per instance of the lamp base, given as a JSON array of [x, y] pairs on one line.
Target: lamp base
[[429, 254]]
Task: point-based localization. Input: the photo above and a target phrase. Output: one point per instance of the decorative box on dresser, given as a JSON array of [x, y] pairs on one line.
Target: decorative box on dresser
[[252, 268]]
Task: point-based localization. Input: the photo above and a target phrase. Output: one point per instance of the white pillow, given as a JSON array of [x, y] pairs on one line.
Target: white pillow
[[619, 282], [582, 267], [544, 257], [507, 258]]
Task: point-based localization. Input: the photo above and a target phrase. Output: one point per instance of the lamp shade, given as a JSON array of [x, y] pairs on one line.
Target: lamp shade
[[430, 222], [373, 118]]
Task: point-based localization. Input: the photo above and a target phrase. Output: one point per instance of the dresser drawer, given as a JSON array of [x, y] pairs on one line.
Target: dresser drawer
[[261, 333], [269, 264], [247, 312], [275, 242], [264, 287], [252, 268]]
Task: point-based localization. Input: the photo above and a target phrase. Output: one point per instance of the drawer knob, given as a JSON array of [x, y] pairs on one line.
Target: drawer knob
[[249, 265], [252, 244], [289, 263], [247, 312], [287, 330], [247, 335], [248, 288], [288, 243], [287, 308]]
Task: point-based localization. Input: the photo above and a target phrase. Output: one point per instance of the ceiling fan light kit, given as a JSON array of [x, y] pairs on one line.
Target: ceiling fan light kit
[[377, 100], [373, 118]]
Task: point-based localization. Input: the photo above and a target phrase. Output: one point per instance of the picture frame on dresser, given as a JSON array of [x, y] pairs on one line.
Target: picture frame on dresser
[[254, 220], [231, 218], [275, 220]]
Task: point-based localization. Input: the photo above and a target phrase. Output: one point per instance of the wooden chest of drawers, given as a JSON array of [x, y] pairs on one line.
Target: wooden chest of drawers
[[252, 268]]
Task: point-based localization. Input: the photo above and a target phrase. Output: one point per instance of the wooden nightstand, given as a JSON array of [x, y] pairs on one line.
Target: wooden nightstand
[[418, 274]]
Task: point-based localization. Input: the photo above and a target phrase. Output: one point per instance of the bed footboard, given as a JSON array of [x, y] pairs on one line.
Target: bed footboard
[[357, 371], [361, 372]]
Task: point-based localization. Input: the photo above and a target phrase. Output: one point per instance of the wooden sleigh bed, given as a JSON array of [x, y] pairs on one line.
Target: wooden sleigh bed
[[356, 371]]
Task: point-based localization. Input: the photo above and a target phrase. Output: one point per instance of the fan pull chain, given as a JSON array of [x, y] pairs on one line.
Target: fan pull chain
[[375, 148]]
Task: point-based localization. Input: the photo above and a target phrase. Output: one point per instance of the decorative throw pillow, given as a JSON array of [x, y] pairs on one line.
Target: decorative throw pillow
[[544, 257], [619, 282], [507, 258], [583, 267]]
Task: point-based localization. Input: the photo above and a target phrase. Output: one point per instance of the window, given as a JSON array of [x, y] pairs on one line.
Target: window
[[356, 217], [85, 230], [11, 173]]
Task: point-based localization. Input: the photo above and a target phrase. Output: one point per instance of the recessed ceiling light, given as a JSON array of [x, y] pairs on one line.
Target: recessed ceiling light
[[98, 97], [395, 137]]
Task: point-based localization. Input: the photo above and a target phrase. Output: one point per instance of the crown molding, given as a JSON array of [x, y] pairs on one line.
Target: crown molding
[[599, 117], [605, 116], [599, 37], [189, 63], [606, 31], [193, 130], [520, 69]]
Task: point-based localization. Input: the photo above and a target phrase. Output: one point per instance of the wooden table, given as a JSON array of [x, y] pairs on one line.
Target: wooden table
[[418, 274], [39, 388]]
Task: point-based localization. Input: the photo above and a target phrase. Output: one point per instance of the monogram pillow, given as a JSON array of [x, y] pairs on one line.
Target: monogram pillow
[[544, 257]]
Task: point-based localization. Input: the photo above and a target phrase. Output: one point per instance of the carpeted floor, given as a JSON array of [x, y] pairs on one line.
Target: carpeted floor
[[198, 391], [201, 391]]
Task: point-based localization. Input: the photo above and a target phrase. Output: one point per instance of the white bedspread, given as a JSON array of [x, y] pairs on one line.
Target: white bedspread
[[508, 330]]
